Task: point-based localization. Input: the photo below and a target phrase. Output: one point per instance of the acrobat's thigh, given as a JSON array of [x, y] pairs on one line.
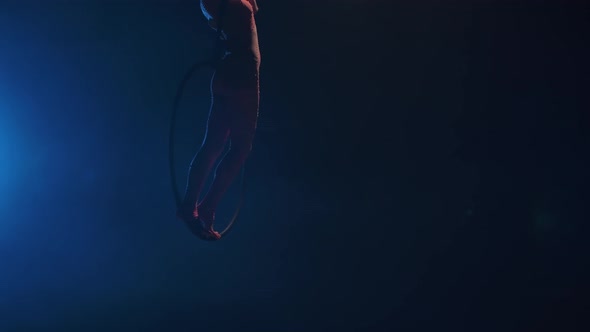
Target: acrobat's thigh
[[244, 118], [234, 111]]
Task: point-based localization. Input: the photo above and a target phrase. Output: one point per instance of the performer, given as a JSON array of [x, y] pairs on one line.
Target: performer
[[233, 115]]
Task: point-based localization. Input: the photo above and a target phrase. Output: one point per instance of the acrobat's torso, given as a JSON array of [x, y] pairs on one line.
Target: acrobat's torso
[[210, 8]]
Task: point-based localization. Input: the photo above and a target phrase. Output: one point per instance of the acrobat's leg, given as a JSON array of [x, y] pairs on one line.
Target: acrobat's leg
[[241, 138], [216, 136], [238, 82]]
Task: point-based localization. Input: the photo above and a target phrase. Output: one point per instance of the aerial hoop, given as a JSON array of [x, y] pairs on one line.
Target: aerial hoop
[[195, 227]]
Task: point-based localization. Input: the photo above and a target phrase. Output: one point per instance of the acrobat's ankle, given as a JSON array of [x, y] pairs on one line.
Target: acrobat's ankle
[[186, 212]]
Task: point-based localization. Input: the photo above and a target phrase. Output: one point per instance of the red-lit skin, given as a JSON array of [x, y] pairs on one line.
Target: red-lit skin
[[233, 114]]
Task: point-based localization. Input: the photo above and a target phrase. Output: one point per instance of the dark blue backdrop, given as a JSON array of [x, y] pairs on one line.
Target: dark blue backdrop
[[418, 167]]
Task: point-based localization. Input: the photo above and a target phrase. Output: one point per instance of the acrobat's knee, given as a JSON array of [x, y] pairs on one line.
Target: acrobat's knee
[[213, 145]]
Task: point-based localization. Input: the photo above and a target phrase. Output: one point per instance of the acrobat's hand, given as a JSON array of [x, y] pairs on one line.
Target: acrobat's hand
[[213, 25]]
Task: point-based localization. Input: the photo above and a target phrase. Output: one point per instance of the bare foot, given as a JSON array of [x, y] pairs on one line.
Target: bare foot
[[207, 218], [203, 230]]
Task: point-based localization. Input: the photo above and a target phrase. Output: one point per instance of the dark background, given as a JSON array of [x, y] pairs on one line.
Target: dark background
[[419, 166]]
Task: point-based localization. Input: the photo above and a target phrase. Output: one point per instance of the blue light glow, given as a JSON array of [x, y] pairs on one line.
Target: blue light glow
[[9, 153]]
